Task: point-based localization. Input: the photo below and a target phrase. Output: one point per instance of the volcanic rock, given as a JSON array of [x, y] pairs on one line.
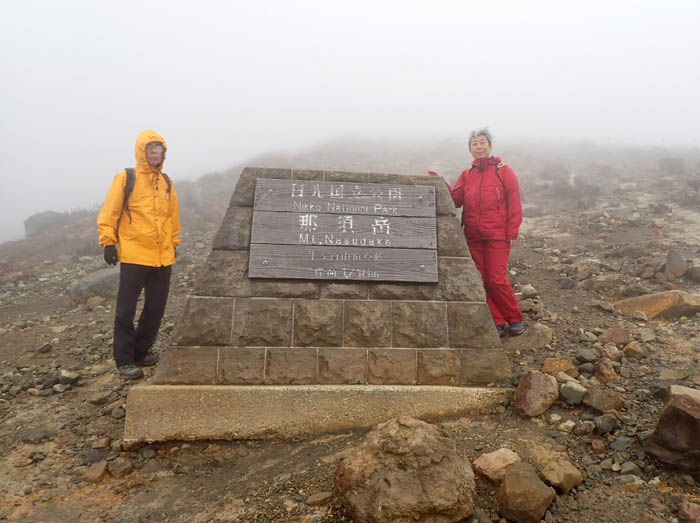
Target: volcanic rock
[[669, 304], [572, 392], [561, 474], [616, 335], [536, 392], [603, 371], [676, 266], [554, 365], [406, 470], [493, 465], [675, 440], [603, 400], [523, 497]]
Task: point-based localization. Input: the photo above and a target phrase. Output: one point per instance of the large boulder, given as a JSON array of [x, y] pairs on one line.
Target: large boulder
[[536, 392], [676, 439], [535, 337], [669, 303], [406, 470], [104, 282]]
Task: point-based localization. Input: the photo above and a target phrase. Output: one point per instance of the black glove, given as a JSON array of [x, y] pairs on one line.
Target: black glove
[[111, 254]]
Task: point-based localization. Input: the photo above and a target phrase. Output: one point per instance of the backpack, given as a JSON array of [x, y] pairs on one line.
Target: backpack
[[128, 189]]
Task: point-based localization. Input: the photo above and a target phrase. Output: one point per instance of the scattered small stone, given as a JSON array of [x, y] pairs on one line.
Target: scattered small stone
[[92, 456], [647, 335], [603, 399], [319, 498], [604, 372], [622, 443], [597, 446], [36, 436], [563, 377], [586, 368], [493, 465], [101, 443], [554, 365], [60, 388], [567, 283], [118, 413], [536, 392], [567, 426], [49, 382], [67, 377], [44, 348], [673, 374], [572, 392], [561, 474], [606, 306], [605, 423], [587, 355], [96, 472], [528, 291], [120, 467], [616, 335], [634, 350], [523, 496], [628, 467], [611, 352], [676, 265], [151, 467], [100, 398]]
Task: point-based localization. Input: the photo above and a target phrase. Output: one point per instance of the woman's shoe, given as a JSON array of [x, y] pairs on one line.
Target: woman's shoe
[[502, 330], [517, 328]]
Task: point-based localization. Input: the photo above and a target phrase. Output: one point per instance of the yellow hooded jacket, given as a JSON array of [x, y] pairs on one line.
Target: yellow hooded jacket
[[150, 236]]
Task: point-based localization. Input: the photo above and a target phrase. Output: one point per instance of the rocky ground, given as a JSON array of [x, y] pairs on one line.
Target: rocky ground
[[62, 405]]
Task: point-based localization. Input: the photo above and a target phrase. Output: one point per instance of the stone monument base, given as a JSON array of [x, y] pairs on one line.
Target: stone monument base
[[190, 412]]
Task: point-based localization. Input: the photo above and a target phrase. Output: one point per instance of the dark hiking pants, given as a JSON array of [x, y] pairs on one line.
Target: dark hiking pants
[[131, 345]]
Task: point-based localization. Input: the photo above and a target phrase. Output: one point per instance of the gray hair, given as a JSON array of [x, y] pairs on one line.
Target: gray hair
[[481, 132]]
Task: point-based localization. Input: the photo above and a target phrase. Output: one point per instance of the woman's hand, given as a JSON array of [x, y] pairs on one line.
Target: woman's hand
[[434, 173]]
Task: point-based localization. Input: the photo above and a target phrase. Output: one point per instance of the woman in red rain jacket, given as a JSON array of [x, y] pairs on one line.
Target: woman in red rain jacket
[[491, 216]]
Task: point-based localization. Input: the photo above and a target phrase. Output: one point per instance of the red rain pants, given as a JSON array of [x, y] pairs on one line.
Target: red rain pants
[[491, 260]]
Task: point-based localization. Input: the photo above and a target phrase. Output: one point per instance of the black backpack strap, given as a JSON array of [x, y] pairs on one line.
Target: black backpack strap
[[500, 179], [167, 181], [128, 188], [505, 196]]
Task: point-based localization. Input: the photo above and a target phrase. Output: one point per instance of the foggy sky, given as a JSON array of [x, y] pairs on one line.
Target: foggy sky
[[223, 81]]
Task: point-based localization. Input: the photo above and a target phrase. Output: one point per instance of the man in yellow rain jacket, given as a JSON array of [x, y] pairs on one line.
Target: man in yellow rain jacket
[[140, 229]]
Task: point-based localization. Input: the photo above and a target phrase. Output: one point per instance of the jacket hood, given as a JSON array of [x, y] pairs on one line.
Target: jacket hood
[[144, 138]]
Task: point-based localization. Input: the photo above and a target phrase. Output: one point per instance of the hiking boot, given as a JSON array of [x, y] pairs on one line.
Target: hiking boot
[[148, 360], [131, 372], [517, 328], [502, 330]]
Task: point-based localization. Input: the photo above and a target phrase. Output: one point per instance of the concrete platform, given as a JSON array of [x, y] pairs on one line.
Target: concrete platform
[[180, 412]]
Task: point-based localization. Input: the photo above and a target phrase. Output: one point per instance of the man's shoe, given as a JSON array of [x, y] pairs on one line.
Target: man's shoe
[[517, 328], [131, 372], [148, 360], [502, 330]]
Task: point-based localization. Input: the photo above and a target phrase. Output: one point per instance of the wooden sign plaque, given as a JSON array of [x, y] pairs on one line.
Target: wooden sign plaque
[[343, 231]]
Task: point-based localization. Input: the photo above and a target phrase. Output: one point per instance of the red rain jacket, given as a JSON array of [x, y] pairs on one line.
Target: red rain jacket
[[490, 198]]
